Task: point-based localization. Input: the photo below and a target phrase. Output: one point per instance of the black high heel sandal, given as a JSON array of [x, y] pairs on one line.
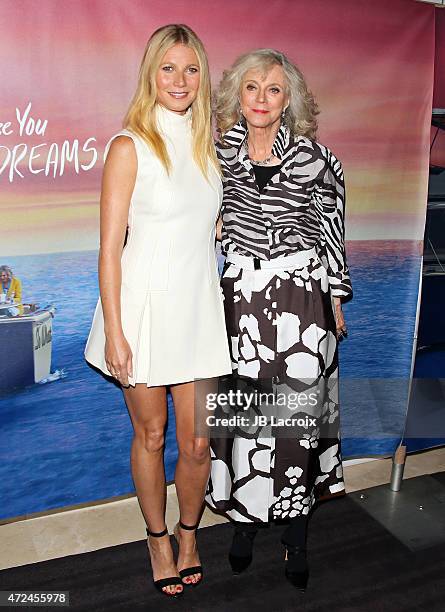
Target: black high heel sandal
[[188, 571], [165, 582], [242, 541], [296, 569]]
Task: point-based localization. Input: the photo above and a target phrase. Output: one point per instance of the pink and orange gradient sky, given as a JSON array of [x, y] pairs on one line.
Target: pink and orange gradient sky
[[370, 65]]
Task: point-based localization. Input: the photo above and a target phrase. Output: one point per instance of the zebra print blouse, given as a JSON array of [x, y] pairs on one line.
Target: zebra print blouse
[[300, 207]]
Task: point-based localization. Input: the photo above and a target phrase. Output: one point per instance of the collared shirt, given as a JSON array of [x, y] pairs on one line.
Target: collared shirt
[[301, 206]]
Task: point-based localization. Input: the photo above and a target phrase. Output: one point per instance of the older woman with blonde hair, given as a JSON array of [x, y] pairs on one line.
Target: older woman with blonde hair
[[284, 280], [11, 286], [159, 321]]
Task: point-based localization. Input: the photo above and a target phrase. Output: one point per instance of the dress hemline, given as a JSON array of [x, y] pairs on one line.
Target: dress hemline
[[177, 381]]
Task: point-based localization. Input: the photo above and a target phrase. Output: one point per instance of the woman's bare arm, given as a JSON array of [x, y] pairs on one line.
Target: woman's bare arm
[[118, 181]]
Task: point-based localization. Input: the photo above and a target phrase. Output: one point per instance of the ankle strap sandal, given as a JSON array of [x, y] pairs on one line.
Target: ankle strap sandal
[[171, 580], [196, 569]]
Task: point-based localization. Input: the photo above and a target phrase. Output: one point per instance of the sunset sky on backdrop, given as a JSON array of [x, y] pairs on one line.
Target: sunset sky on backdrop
[[370, 65]]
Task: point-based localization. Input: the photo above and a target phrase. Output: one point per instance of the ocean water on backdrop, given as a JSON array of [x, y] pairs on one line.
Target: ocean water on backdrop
[[68, 441]]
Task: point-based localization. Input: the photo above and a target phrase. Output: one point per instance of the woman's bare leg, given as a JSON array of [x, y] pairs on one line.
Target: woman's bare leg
[[147, 407], [192, 470]]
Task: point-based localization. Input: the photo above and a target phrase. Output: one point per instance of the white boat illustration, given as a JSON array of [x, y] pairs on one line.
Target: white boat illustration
[[26, 344]]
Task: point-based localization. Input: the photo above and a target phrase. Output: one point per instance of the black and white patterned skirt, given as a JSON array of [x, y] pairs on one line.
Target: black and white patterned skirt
[[281, 327]]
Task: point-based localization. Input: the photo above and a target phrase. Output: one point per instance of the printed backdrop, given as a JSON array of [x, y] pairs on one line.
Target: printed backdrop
[[68, 72]]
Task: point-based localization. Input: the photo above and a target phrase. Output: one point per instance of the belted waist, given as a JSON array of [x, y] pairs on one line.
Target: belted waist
[[300, 258]]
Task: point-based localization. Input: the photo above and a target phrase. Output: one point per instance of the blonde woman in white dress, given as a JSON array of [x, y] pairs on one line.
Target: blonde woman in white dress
[[159, 321]]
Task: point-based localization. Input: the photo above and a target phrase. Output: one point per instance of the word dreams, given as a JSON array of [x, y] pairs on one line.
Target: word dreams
[[50, 158]]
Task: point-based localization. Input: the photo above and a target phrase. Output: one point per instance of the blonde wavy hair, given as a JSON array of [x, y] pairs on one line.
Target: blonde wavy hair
[[300, 115], [141, 118]]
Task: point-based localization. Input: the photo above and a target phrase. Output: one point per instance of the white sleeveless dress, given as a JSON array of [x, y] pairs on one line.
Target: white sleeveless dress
[[171, 302]]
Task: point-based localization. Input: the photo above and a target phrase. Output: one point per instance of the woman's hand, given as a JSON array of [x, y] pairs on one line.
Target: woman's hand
[[342, 330], [119, 358]]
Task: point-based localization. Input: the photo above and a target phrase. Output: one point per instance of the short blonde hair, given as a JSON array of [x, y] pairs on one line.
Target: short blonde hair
[[300, 116], [140, 117]]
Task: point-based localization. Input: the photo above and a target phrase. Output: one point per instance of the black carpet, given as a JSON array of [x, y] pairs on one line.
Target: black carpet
[[355, 564]]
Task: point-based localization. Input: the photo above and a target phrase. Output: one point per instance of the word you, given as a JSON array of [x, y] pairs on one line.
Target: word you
[[50, 158]]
